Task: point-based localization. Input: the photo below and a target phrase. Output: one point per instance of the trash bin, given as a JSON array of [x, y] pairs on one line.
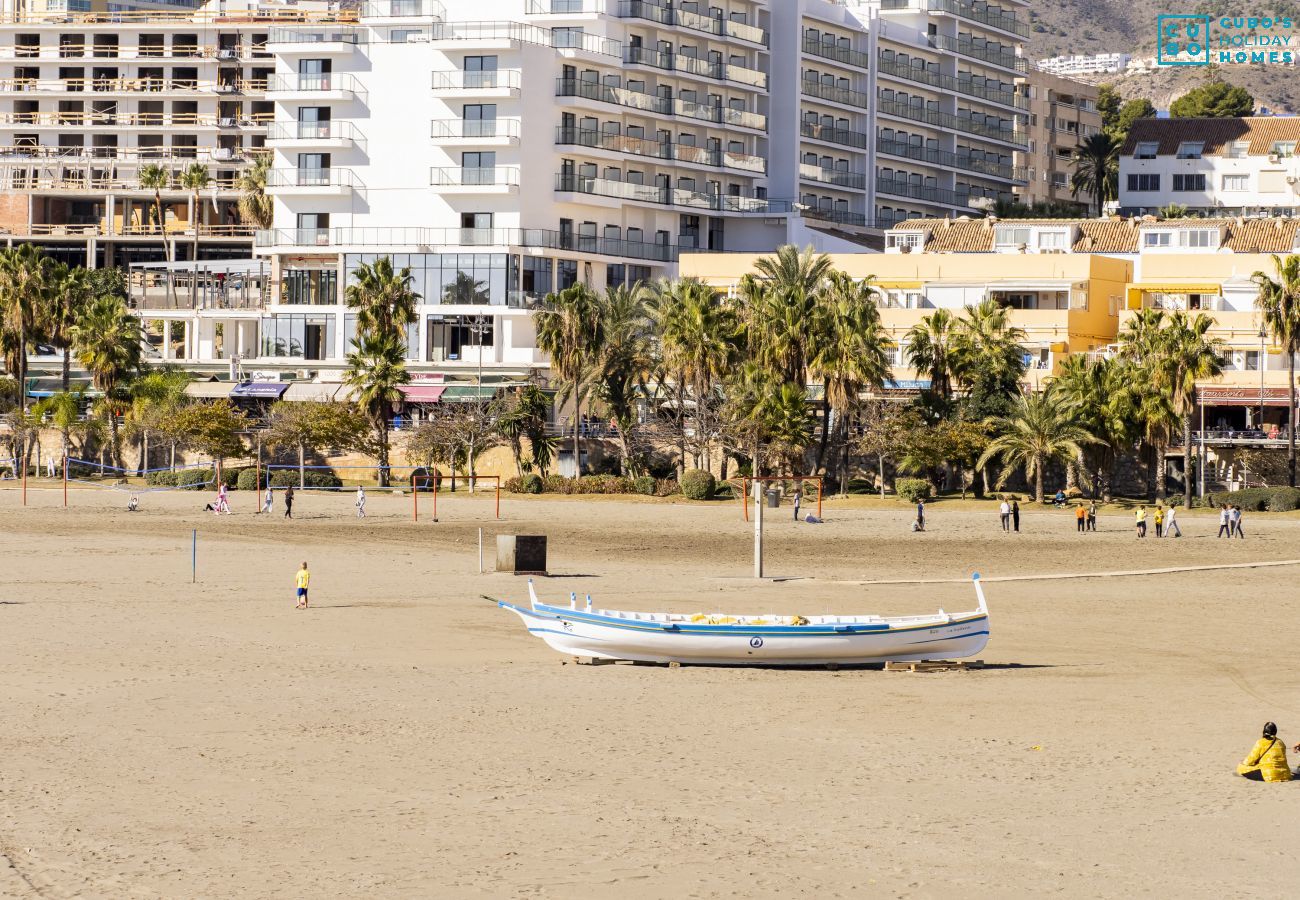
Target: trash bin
[[773, 498]]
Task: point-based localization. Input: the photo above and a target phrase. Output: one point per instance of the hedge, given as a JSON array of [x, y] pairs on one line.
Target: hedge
[[591, 484], [1273, 499], [913, 489], [645, 484], [698, 484], [248, 480], [315, 478]]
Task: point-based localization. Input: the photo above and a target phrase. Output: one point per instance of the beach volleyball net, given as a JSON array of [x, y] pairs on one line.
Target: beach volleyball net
[[190, 477], [810, 488]]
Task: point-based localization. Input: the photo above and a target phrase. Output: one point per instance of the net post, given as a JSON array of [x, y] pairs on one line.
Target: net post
[[65, 480], [744, 495], [26, 460], [498, 515], [821, 489], [415, 498], [435, 500]]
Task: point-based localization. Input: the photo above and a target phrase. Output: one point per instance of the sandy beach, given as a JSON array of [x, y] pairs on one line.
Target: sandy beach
[[405, 738]]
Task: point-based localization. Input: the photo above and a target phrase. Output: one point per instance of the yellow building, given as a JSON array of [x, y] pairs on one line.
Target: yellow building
[[1066, 303]]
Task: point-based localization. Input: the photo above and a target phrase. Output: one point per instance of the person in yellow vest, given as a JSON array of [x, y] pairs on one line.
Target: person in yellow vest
[[1079, 514], [1267, 759], [302, 581], [1160, 520], [1141, 521]]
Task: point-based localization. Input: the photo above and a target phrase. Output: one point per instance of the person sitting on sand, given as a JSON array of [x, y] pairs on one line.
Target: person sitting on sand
[[134, 504], [1267, 759], [1059, 499]]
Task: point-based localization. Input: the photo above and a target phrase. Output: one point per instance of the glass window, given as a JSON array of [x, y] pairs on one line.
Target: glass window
[[1190, 149], [1236, 182], [296, 336], [1146, 150]]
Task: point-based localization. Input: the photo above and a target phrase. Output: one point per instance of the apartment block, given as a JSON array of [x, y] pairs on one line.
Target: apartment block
[[1213, 167], [1082, 65], [1062, 114]]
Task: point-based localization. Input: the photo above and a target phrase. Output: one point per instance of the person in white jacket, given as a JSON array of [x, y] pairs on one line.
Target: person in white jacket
[[1171, 523]]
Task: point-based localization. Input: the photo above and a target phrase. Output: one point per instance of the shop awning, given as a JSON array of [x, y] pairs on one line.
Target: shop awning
[[1170, 288], [260, 390], [208, 390], [307, 391], [422, 393], [39, 388], [468, 393]]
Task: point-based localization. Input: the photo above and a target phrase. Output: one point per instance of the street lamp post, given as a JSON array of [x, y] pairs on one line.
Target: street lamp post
[[1263, 336]]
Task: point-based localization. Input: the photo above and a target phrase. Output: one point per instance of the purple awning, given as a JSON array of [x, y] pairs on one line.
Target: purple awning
[[260, 390]]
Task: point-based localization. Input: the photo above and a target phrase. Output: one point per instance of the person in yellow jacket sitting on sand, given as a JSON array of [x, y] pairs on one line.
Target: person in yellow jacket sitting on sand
[[1267, 759]]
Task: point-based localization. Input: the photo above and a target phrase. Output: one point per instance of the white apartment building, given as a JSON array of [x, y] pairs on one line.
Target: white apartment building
[[949, 118], [1079, 65], [1214, 167]]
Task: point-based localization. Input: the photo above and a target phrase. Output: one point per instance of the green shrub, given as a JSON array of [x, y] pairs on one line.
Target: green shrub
[[162, 479], [248, 480], [195, 479], [530, 484], [645, 484], [315, 478], [1284, 499], [913, 489], [698, 484], [667, 487]]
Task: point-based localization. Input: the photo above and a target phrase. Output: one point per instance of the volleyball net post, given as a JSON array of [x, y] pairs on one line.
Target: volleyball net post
[[65, 481], [747, 480]]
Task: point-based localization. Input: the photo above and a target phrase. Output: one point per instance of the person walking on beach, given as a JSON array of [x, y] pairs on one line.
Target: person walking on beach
[[1224, 519], [1142, 521], [288, 502], [798, 499], [361, 502], [49, 467], [1171, 523], [1160, 520], [223, 502], [1092, 515], [302, 581], [1079, 516], [1004, 512], [268, 501], [1234, 523], [1015, 515], [920, 514]]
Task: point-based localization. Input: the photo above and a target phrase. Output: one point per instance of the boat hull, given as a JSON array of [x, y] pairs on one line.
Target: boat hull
[[578, 635]]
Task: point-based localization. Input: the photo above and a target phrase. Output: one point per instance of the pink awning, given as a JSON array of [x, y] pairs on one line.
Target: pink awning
[[422, 393]]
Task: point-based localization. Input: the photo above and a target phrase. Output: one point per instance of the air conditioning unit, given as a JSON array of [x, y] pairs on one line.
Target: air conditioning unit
[[1272, 157]]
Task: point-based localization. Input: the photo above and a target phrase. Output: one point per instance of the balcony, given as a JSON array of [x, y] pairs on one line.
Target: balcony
[[1003, 21], [313, 135], [494, 83], [497, 34], [652, 103], [475, 132], [916, 74], [330, 182], [666, 150], [403, 9], [833, 135], [852, 181], [832, 94], [924, 193], [315, 41], [948, 121], [835, 53], [690, 65], [712, 25], [964, 162], [466, 180], [539, 238], [664, 196], [993, 56], [563, 7], [324, 87]]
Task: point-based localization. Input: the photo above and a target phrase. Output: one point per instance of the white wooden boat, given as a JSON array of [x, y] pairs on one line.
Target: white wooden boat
[[754, 640]]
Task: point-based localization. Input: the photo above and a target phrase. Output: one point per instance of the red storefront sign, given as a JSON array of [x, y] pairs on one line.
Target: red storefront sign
[[1243, 396]]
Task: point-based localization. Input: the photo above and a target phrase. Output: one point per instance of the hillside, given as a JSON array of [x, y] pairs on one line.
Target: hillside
[[1130, 26]]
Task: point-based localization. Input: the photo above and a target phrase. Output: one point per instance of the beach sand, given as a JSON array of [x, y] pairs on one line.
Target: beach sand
[[405, 738]]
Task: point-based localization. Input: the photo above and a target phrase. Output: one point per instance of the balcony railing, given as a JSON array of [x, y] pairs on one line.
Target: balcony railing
[[541, 238], [133, 120], [563, 7], [949, 121], [855, 58], [467, 176], [471, 129], [1007, 97], [315, 36], [314, 131], [822, 175], [23, 153], [666, 196], [1005, 21], [704, 68], [322, 81], [703, 112], [403, 9], [714, 25], [992, 55], [619, 143], [493, 79], [833, 135], [834, 94], [925, 193], [526, 34], [965, 162], [331, 177]]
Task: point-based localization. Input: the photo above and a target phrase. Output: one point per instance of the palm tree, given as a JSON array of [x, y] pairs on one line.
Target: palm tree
[[570, 332], [1096, 169], [194, 178], [63, 411], [931, 345], [1190, 356], [383, 299], [1100, 395], [156, 177], [153, 396], [69, 292], [986, 347], [785, 419], [24, 280], [1279, 307], [107, 340], [626, 359], [850, 354], [376, 372], [792, 269], [1038, 432], [698, 337], [256, 208]]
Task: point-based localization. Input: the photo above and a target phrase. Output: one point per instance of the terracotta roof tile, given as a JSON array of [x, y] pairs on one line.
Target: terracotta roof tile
[[1260, 131]]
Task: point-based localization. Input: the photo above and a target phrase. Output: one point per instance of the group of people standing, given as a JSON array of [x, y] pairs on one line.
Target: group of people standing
[[1230, 522], [1166, 521], [1009, 513]]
